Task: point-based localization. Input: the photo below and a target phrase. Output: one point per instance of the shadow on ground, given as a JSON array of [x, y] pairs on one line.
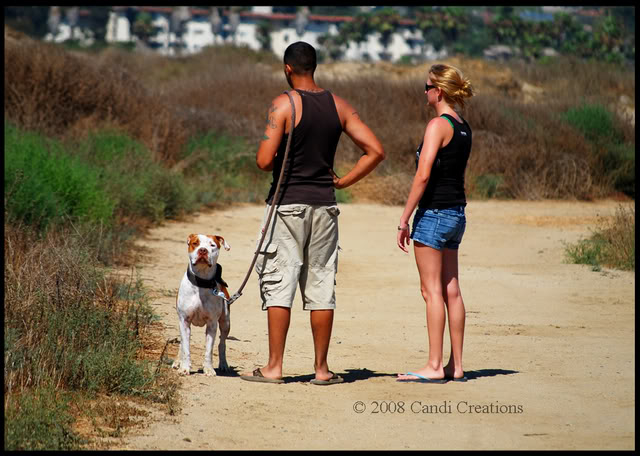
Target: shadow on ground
[[355, 375]]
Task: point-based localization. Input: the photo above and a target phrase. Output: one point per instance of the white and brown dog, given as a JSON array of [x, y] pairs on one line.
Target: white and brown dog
[[202, 300]]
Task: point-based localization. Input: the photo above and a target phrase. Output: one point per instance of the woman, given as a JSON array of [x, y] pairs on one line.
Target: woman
[[439, 222]]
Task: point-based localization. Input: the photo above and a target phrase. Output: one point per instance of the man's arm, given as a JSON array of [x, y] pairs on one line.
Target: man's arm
[[363, 137], [273, 132]]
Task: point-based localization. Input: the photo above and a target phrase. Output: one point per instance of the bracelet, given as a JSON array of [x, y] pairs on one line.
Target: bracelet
[[402, 229]]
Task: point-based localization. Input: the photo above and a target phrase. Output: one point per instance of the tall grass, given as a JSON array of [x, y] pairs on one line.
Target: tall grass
[[222, 169], [43, 185], [600, 128], [140, 186], [40, 419], [523, 148], [612, 244], [62, 93], [68, 327]]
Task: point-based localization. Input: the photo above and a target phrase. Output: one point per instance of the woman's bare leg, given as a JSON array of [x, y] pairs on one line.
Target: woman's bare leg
[[455, 311], [429, 261]]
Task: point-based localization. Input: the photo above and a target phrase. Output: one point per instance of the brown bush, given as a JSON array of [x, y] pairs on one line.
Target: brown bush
[[61, 94], [518, 135]]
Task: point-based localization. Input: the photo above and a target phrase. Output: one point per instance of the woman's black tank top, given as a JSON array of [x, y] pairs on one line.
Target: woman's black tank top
[[445, 188], [306, 178]]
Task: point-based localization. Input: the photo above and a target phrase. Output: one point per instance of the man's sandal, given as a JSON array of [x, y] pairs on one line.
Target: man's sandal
[[258, 377]]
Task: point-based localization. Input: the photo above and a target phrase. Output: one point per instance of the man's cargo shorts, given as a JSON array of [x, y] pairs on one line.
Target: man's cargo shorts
[[300, 247]]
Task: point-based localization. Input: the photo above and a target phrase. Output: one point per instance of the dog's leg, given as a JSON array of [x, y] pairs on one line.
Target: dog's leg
[[176, 362], [225, 327], [185, 355], [210, 337]]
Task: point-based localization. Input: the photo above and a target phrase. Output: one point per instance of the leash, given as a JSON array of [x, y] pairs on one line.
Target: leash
[[238, 293]]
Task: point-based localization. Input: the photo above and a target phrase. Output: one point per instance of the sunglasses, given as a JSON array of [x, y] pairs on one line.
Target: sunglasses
[[427, 87]]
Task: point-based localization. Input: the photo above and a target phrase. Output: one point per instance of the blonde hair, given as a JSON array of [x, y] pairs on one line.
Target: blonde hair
[[452, 82]]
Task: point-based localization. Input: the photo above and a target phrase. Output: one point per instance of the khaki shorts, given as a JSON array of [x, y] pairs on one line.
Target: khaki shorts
[[301, 247]]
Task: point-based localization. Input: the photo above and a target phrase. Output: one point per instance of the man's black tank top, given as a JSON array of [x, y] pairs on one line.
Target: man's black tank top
[[306, 176], [445, 188]]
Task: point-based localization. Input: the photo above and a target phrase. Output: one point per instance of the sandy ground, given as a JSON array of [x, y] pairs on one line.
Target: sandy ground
[[549, 346]]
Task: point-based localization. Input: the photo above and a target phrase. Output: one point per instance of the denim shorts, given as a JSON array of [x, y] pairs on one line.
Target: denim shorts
[[439, 228]]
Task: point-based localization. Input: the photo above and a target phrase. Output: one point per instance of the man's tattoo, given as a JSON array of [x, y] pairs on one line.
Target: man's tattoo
[[271, 121], [265, 137], [355, 113]]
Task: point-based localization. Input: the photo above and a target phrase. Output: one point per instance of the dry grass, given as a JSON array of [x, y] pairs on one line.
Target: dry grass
[[63, 94], [72, 329], [519, 134], [612, 243]]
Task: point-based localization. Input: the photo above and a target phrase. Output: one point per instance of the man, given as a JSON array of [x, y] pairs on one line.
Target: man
[[301, 245]]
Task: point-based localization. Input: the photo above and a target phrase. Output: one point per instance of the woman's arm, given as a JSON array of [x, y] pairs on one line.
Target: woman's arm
[[434, 136]]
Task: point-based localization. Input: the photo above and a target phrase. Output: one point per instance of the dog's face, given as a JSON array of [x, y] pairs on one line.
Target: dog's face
[[204, 249]]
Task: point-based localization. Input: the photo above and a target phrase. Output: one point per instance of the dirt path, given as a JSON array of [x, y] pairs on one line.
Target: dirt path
[[549, 346]]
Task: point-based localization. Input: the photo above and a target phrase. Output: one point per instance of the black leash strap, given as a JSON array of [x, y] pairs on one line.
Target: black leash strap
[[238, 293]]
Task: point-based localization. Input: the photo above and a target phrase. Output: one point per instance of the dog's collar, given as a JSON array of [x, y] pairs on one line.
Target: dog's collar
[[207, 283]]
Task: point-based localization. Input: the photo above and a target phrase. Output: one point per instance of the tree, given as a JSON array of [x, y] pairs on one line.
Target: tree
[[302, 19], [358, 30], [97, 21], [333, 46], [53, 22], [72, 14], [609, 34], [216, 21], [31, 20], [443, 27], [264, 29], [386, 22], [143, 27], [234, 21], [180, 15]]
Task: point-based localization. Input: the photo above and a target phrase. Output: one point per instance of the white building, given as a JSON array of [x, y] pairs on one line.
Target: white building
[[198, 33]]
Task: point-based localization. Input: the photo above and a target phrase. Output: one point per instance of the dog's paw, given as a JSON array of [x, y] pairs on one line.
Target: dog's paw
[[224, 367], [184, 370], [209, 371], [176, 364]]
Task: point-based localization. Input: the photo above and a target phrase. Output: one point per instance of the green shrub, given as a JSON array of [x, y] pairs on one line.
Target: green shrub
[[70, 330], [612, 244], [221, 168], [595, 122], [620, 161], [599, 126], [139, 186], [343, 195], [488, 186], [587, 251], [44, 185], [39, 420], [66, 323]]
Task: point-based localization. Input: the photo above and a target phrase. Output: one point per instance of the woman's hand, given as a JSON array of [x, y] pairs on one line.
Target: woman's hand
[[403, 237]]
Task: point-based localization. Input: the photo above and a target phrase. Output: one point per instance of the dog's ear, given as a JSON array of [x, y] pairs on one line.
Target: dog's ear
[[219, 240], [190, 237]]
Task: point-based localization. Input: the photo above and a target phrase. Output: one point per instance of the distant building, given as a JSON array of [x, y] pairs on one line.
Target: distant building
[[198, 32], [198, 29], [64, 31]]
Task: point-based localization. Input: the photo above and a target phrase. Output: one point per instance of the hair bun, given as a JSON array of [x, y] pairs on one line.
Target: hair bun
[[466, 90]]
